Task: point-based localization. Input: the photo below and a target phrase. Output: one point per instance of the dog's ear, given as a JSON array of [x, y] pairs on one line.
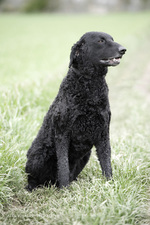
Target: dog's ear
[[76, 52]]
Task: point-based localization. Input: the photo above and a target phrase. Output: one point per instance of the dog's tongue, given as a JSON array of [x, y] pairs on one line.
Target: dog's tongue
[[116, 60], [110, 62]]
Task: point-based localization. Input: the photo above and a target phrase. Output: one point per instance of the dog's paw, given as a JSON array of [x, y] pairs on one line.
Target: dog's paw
[[28, 188]]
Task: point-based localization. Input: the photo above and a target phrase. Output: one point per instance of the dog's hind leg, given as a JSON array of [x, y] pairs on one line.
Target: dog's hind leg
[[41, 171], [32, 183]]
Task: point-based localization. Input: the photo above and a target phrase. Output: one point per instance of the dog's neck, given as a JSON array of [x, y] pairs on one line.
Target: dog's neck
[[90, 72]]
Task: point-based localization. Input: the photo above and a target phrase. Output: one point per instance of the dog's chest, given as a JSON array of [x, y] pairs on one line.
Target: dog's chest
[[88, 126], [90, 111]]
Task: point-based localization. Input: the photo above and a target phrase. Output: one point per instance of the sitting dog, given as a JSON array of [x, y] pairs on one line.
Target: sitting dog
[[79, 117]]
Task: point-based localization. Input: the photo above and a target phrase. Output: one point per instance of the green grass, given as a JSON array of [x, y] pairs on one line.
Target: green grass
[[34, 56]]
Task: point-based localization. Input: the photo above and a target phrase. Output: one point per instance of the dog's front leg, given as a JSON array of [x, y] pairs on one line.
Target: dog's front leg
[[103, 150], [62, 146]]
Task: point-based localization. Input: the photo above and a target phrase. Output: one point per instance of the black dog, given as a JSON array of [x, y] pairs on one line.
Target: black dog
[[78, 118]]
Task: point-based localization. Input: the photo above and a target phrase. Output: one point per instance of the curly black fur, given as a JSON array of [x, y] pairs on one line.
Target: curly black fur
[[78, 118]]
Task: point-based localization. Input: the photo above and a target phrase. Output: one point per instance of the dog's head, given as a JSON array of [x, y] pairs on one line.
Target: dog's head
[[98, 49]]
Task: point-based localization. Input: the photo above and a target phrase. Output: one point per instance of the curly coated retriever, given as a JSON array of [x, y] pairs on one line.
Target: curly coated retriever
[[79, 117]]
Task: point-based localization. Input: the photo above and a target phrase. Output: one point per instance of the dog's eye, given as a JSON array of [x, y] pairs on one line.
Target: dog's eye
[[101, 41]]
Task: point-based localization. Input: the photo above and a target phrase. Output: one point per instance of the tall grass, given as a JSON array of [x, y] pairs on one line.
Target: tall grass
[[34, 58]]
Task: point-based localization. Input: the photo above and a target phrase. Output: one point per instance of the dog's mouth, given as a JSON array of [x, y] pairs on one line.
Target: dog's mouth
[[111, 61]]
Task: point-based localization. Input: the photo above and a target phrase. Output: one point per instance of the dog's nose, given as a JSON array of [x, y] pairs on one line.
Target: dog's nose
[[122, 50]]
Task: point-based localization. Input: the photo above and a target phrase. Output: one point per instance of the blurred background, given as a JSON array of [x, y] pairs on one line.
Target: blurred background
[[36, 37], [94, 6]]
